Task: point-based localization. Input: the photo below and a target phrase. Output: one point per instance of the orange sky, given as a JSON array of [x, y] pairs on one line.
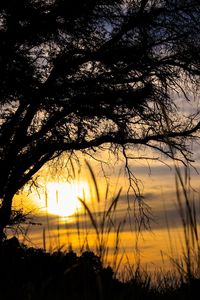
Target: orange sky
[[158, 188]]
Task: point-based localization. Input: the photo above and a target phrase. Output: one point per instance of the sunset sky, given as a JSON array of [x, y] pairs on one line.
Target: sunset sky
[[55, 205]]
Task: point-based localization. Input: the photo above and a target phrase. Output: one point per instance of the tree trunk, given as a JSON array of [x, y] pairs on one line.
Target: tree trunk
[[5, 213]]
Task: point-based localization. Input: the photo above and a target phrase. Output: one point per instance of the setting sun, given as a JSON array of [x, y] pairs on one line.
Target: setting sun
[[62, 197]]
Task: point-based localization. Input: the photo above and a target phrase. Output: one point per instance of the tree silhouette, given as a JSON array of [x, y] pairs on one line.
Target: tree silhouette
[[75, 75]]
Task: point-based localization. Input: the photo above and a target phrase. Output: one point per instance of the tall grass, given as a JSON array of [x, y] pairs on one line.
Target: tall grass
[[98, 220], [102, 221], [188, 262], [97, 226]]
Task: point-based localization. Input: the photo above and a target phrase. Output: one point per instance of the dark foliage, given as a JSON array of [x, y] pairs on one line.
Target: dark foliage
[[29, 273], [75, 75]]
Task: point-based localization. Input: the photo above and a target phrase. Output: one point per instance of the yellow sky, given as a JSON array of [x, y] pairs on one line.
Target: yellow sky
[[55, 204]]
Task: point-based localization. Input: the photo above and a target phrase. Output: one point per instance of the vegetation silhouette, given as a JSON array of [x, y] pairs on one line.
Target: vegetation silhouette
[[82, 76], [30, 273]]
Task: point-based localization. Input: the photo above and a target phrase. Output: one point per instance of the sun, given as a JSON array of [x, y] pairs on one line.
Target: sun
[[62, 197]]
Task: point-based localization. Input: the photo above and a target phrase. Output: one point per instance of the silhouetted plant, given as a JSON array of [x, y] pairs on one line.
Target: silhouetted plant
[[101, 211], [188, 262]]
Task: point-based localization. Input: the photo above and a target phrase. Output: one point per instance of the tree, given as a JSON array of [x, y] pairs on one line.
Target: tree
[[78, 75]]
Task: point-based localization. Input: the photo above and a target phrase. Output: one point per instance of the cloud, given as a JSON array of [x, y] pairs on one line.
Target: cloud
[[165, 215]]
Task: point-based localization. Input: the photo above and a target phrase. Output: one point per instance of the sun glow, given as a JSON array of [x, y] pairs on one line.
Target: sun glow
[[62, 197]]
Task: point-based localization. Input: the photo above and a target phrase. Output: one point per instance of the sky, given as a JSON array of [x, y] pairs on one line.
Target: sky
[[65, 223]]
